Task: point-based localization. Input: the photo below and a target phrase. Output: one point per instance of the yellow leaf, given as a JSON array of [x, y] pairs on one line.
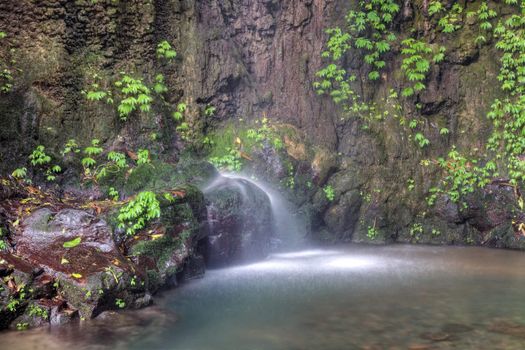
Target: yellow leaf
[[157, 236], [76, 275]]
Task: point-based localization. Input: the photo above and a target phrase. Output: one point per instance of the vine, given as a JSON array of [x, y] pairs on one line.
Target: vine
[[462, 174], [368, 30]]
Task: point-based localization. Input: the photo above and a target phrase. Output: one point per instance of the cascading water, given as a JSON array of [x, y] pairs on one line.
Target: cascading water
[[289, 230], [247, 220]]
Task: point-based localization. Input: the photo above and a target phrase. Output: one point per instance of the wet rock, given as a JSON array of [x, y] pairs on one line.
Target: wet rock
[[194, 268], [342, 217], [167, 248], [323, 164], [295, 148], [456, 328], [419, 347], [61, 313], [508, 327], [90, 275], [240, 221], [269, 164], [492, 212], [437, 336]]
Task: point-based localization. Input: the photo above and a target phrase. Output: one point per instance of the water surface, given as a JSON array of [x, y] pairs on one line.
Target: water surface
[[352, 297]]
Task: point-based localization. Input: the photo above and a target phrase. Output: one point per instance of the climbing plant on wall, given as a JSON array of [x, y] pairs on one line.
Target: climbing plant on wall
[[369, 35]]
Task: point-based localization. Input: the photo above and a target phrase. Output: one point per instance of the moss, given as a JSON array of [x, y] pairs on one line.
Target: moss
[[161, 250], [225, 139], [158, 176]]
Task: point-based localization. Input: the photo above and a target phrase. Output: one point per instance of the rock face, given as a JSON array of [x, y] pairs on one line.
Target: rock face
[[253, 59], [240, 222]]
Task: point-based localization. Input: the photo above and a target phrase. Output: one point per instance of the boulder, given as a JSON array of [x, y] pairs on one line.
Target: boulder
[[90, 275], [240, 221]]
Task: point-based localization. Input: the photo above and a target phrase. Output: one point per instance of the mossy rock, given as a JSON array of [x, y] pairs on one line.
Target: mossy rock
[[157, 176], [241, 220]]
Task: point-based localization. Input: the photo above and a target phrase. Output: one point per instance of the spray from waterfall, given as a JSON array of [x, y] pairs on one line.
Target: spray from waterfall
[[238, 231], [289, 229]]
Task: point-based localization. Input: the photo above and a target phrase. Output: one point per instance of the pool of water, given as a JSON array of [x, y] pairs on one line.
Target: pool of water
[[352, 297]]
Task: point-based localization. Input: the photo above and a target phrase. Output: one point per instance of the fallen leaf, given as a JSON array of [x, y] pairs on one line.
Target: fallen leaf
[[156, 236], [73, 243], [64, 261], [76, 275], [178, 193], [132, 155], [11, 284], [245, 156]]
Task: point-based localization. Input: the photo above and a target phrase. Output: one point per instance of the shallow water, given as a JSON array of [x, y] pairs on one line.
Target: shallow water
[[353, 297]]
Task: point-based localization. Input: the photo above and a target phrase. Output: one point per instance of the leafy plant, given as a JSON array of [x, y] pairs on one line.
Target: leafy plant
[[265, 133], [22, 326], [484, 15], [209, 111], [367, 30], [421, 140], [20, 173], [416, 230], [120, 303], [143, 157], [3, 244], [52, 171], [462, 176], [164, 50], [138, 212], [39, 156], [329, 192], [178, 115], [435, 7], [451, 21], [97, 94], [416, 63], [12, 304], [6, 72], [411, 184], [231, 161], [372, 232], [38, 311], [90, 153], [117, 158], [135, 96], [113, 194], [160, 87], [71, 146]]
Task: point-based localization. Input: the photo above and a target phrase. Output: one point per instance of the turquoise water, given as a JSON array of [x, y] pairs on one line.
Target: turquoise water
[[352, 297]]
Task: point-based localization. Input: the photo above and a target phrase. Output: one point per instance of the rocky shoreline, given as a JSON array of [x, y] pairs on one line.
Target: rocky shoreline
[[65, 259]]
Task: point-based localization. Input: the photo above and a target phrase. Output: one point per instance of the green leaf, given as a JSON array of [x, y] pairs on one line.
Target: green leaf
[[73, 243]]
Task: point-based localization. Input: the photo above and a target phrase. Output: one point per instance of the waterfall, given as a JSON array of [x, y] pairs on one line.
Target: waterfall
[[289, 230], [247, 220]]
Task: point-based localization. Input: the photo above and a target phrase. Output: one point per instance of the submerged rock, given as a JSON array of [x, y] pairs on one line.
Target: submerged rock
[[508, 328], [240, 221]]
